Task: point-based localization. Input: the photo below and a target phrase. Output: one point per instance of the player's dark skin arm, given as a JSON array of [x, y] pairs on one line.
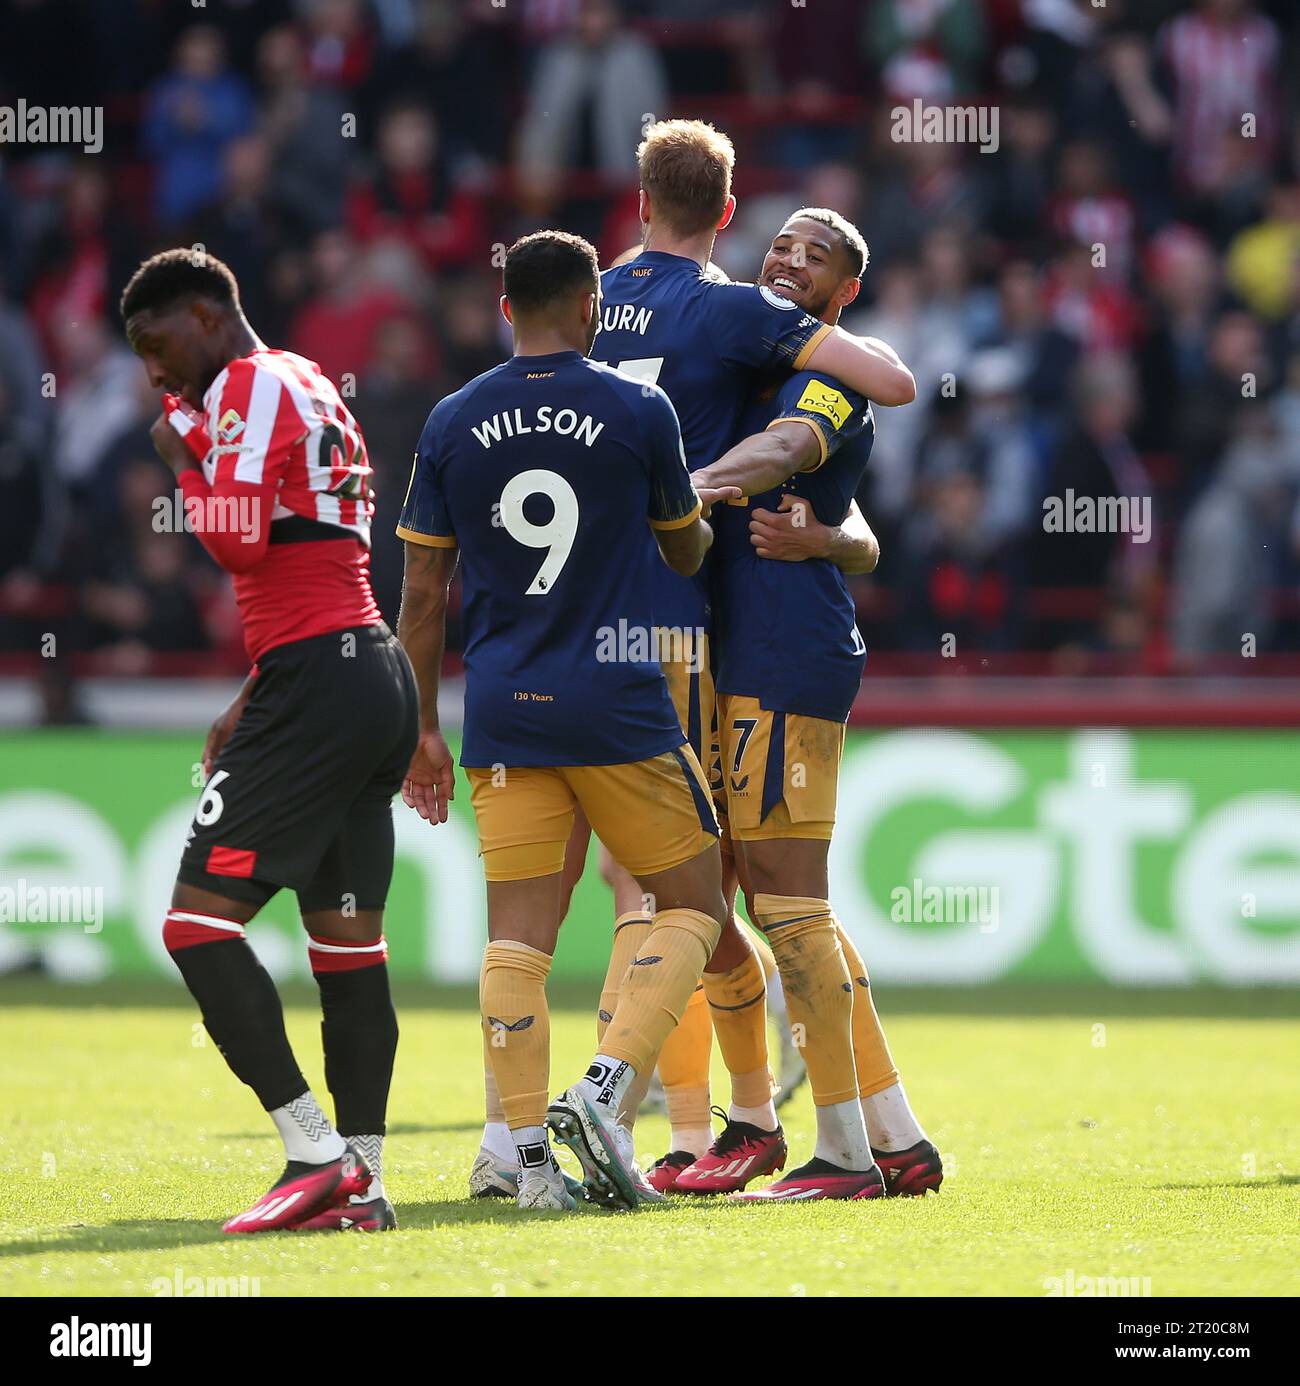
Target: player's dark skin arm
[[764, 460], [866, 364], [683, 549], [430, 783]]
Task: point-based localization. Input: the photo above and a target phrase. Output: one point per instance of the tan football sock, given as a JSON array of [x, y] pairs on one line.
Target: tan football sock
[[658, 985], [630, 932], [765, 955], [818, 992], [737, 1006], [517, 1028], [684, 1066], [871, 1056]]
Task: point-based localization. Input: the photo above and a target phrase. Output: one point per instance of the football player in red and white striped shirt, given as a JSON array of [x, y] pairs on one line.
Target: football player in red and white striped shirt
[[302, 767]]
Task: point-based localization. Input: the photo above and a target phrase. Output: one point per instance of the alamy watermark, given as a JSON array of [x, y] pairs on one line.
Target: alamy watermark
[[210, 514], [630, 644], [24, 124], [73, 1338], [1071, 514], [919, 903], [922, 124], [1070, 1285], [179, 1285], [24, 902]]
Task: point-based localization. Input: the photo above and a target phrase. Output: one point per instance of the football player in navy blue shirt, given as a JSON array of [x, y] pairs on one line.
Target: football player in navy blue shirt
[[544, 473], [669, 317], [789, 661]]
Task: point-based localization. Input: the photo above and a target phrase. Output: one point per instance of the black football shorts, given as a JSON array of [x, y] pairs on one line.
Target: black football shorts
[[301, 795]]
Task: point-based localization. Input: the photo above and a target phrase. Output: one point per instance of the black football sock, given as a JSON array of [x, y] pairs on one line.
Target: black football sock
[[358, 1034], [240, 1007]]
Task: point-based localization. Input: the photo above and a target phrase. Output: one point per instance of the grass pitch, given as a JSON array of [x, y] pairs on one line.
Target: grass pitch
[[1159, 1149]]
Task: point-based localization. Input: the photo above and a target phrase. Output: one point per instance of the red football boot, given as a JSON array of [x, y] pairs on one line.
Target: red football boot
[[302, 1191], [819, 1179], [662, 1175], [912, 1171], [741, 1154], [374, 1215]]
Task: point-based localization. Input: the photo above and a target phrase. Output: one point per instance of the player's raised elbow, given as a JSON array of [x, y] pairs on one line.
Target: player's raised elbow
[[859, 560], [898, 387]]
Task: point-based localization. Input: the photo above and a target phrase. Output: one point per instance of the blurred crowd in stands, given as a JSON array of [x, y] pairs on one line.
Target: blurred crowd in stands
[[1106, 305]]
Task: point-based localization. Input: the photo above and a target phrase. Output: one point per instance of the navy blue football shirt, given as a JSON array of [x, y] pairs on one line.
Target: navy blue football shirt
[[545, 472], [786, 633], [707, 342]]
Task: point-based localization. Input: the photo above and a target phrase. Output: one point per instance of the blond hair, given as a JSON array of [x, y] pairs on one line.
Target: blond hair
[[686, 169]]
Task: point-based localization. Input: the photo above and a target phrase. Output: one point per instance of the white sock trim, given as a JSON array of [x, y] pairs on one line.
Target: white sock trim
[[371, 1150], [842, 1136], [764, 1118], [532, 1143], [891, 1123], [347, 948], [308, 1134], [695, 1139], [498, 1142], [213, 921], [608, 1080]]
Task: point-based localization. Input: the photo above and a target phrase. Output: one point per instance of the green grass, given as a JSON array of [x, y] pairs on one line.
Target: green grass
[[1169, 1152]]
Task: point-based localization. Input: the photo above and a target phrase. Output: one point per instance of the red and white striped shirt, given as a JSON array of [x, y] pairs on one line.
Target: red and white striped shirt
[[1224, 69], [278, 448]]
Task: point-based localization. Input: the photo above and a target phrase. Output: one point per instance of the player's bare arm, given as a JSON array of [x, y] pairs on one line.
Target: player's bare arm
[[764, 460], [866, 364], [429, 785], [683, 549], [794, 534]]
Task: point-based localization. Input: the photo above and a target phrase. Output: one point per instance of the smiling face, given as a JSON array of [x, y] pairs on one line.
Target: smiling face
[[807, 264], [181, 346]]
